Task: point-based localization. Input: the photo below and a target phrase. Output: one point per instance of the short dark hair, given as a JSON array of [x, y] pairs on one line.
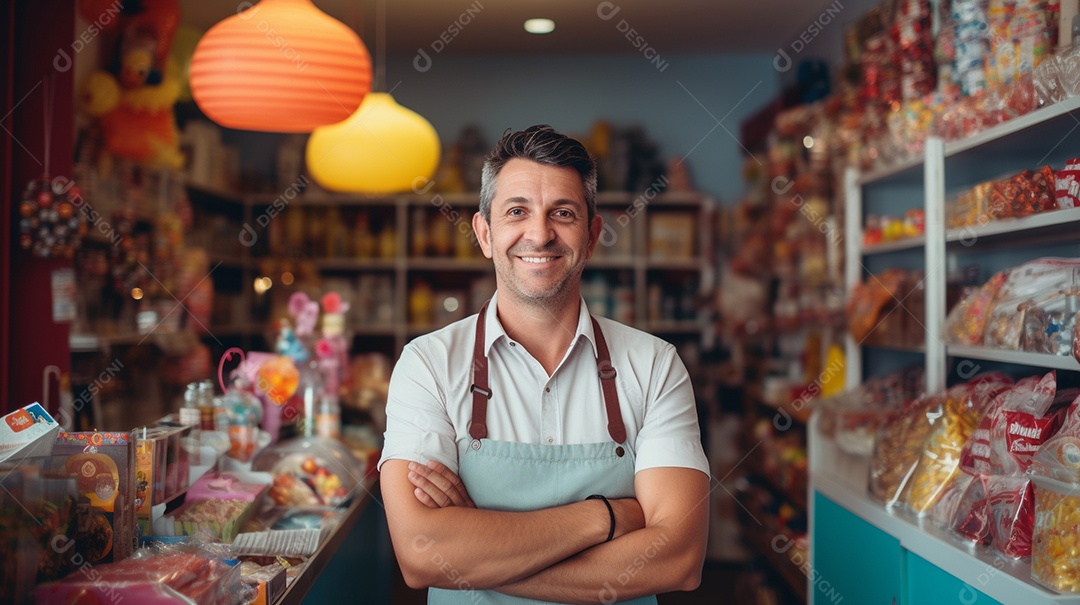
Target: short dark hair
[[544, 145]]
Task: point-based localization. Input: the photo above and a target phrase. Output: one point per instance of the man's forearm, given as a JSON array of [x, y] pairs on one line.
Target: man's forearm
[[454, 547], [646, 562]]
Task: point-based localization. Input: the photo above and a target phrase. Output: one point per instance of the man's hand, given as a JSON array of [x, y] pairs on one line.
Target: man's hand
[[438, 486]]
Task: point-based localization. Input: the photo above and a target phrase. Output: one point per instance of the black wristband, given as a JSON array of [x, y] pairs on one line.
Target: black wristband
[[611, 513]]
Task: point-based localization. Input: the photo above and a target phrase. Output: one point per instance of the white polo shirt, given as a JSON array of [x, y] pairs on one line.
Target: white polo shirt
[[430, 405]]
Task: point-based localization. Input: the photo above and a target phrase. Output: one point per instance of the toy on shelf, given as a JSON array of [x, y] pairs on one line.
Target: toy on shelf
[[133, 100]]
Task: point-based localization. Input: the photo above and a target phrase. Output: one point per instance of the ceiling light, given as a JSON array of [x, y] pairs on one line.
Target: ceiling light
[[539, 26], [382, 148], [280, 66]]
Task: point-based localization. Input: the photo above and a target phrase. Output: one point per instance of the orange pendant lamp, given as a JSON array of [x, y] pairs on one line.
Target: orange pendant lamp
[[280, 66], [382, 148]]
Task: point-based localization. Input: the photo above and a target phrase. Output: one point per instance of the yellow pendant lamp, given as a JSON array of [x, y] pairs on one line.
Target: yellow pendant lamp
[[382, 148], [280, 66]]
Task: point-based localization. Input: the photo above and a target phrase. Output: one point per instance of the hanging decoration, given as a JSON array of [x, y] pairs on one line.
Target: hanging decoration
[[280, 66], [49, 222], [382, 148]]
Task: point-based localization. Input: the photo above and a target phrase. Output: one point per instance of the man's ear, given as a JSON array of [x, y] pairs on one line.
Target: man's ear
[[596, 226], [483, 233]]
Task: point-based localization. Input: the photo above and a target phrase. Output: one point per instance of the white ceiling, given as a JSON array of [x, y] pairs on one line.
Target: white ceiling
[[495, 26]]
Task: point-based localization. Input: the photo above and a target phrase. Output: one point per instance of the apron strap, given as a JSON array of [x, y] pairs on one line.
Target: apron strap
[[607, 373], [481, 392]]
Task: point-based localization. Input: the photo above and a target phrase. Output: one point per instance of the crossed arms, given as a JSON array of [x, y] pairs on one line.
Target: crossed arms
[[555, 554]]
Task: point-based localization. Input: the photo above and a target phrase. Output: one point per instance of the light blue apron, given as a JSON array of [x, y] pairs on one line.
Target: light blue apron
[[507, 476]]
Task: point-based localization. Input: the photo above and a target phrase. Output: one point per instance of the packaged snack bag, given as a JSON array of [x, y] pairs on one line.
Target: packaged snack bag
[[955, 419]]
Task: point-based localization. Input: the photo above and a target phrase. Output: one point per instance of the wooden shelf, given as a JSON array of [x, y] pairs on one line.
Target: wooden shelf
[[450, 264], [673, 264], [354, 264]]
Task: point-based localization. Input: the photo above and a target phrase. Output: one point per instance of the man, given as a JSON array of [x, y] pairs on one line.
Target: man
[[534, 453]]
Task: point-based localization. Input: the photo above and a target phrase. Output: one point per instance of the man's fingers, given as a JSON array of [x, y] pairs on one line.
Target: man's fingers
[[443, 483], [432, 491], [425, 499], [450, 476]]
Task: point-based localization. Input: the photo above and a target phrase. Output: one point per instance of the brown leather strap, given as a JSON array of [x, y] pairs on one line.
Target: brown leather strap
[[480, 390], [607, 373]]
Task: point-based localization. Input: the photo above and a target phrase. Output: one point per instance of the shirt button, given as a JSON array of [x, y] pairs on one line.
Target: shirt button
[[551, 440], [513, 344], [547, 389]]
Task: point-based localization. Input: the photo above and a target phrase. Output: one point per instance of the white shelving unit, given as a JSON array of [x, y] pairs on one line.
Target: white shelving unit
[[1047, 136], [842, 477]]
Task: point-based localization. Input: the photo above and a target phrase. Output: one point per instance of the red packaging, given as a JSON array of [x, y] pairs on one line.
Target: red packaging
[[1067, 184], [1011, 502], [1019, 430]]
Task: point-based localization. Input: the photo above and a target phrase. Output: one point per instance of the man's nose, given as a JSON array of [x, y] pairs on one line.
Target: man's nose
[[540, 229]]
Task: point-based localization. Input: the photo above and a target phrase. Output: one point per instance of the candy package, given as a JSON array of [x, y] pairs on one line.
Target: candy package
[[869, 300], [1036, 308], [854, 418], [953, 419], [898, 446], [1024, 194], [1067, 184], [1019, 428], [998, 503], [310, 471], [966, 322], [159, 575], [1055, 550]]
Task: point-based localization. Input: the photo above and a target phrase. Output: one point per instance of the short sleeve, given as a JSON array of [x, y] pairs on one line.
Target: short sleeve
[[418, 427], [670, 435]]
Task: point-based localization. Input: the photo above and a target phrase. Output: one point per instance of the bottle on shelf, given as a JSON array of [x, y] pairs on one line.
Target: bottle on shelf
[[309, 392], [418, 245], [205, 403], [387, 242], [363, 239], [328, 416], [244, 412], [189, 411]]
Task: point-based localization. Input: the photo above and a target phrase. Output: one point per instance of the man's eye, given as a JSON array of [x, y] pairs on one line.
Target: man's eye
[[516, 212], [564, 214]]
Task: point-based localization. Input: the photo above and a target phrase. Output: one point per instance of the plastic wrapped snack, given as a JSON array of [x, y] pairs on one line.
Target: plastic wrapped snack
[[953, 421], [1036, 308], [998, 502], [1024, 194], [174, 575], [1067, 184], [966, 322], [311, 471], [898, 446], [1055, 551], [854, 418], [869, 298], [968, 208]]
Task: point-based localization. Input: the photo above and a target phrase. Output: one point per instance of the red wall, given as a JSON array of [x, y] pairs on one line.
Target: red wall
[[34, 32]]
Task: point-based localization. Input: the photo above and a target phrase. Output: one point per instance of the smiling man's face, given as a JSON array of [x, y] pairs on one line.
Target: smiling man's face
[[540, 235]]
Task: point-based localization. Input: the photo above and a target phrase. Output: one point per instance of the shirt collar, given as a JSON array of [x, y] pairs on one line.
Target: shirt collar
[[493, 328]]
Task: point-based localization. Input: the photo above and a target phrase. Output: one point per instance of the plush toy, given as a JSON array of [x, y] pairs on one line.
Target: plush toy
[[134, 101]]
